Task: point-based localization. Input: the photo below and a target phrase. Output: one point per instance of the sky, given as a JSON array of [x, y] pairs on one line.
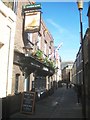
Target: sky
[[62, 21]]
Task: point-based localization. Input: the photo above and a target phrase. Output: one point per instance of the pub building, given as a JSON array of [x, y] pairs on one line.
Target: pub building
[[32, 66], [27, 57], [28, 60]]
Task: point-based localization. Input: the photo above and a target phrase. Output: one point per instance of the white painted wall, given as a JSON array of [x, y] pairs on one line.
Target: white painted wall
[[0, 108], [7, 32]]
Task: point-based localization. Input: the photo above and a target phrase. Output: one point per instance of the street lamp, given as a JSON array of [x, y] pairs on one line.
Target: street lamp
[[80, 8]]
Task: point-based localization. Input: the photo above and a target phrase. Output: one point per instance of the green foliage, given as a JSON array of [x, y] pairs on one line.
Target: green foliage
[[52, 64], [49, 62], [39, 54], [46, 61]]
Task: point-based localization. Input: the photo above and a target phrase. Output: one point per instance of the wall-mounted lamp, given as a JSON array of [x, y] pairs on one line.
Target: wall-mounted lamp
[[28, 49]]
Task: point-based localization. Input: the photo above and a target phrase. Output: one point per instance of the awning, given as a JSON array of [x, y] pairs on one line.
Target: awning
[[32, 65], [35, 65]]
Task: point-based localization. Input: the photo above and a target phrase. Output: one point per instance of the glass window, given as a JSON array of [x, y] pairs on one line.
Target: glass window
[[13, 4], [39, 42], [45, 47], [30, 37], [16, 82]]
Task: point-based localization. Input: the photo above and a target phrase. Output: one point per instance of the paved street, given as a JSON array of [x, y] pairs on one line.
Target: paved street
[[62, 104]]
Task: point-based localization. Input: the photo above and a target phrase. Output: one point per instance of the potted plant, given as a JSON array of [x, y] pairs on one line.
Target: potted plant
[[39, 54], [46, 61]]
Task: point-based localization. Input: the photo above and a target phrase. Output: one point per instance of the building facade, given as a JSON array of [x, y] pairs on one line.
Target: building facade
[[29, 66], [7, 32], [24, 57], [67, 73], [20, 48], [77, 75]]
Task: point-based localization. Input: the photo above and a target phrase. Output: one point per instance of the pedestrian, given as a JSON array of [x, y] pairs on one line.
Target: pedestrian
[[67, 85]]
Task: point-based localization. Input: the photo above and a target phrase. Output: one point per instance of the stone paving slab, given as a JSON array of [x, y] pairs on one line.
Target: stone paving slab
[[62, 104]]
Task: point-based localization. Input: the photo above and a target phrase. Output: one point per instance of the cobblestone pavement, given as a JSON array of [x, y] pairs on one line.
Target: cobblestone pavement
[[62, 104]]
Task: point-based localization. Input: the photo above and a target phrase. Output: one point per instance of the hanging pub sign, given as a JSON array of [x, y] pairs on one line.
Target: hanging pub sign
[[32, 21], [31, 7]]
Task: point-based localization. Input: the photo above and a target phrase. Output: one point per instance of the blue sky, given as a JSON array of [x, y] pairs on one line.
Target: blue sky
[[62, 20]]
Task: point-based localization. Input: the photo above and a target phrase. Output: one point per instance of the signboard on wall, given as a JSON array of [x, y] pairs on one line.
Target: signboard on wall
[[32, 21], [32, 6], [28, 102]]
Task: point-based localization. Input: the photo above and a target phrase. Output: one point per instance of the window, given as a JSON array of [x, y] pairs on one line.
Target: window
[[13, 4], [30, 37], [45, 48], [33, 86], [16, 83], [49, 50], [39, 42]]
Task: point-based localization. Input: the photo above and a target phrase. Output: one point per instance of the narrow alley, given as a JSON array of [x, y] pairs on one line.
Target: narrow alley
[[62, 104], [44, 59]]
